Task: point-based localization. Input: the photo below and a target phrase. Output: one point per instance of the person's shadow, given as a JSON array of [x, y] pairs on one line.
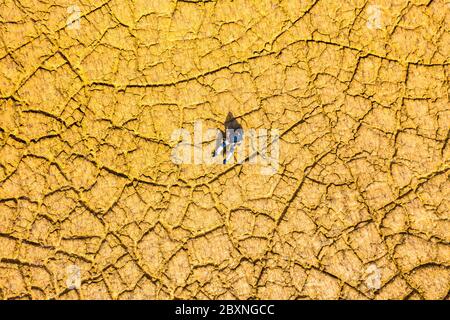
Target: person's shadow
[[227, 139], [231, 123]]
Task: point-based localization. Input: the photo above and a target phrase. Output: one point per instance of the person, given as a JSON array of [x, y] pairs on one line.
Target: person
[[228, 144]]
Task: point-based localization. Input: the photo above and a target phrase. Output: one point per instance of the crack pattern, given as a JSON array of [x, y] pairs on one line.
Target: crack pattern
[[87, 185]]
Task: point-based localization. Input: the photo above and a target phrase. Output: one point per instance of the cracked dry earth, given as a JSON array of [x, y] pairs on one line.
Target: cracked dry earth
[[359, 205]]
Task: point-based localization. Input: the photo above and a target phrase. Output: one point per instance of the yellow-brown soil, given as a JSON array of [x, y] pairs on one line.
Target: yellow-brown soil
[[359, 95]]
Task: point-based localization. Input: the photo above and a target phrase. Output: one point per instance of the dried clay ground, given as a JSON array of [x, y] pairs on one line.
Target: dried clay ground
[[358, 207]]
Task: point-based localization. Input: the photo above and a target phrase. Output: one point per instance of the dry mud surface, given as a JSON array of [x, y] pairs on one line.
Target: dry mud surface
[[92, 205]]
